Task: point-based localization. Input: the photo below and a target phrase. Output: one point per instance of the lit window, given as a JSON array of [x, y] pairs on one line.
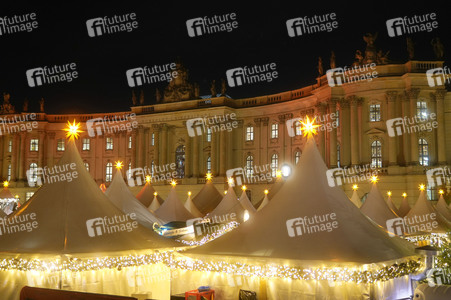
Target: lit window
[[338, 155], [129, 142], [109, 172], [249, 166], [152, 167], [376, 154], [423, 152], [153, 139], [109, 143], [422, 110], [10, 146], [86, 166], [209, 164], [249, 133], [34, 145], [274, 164], [9, 172], [130, 170], [274, 131], [34, 173], [60, 146], [432, 192], [208, 134], [375, 112], [28, 195], [337, 118], [86, 145], [298, 128], [297, 157]]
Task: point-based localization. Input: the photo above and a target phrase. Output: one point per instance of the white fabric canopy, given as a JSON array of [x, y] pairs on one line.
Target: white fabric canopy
[[272, 191], [376, 208], [443, 208], [392, 205], [146, 195], [154, 205], [172, 209], [356, 199], [208, 198], [246, 203], [189, 205], [229, 205], [121, 196], [404, 209], [264, 202]]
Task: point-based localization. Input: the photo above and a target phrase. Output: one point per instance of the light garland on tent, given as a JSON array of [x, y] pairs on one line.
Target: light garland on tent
[[209, 237], [436, 239]]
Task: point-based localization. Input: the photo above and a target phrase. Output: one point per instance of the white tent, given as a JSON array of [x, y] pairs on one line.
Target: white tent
[[264, 202], [229, 205], [247, 204], [172, 209], [147, 194], [121, 196], [356, 199], [189, 205], [392, 205], [208, 198], [421, 214], [280, 235], [272, 191], [404, 209], [443, 208], [154, 205], [7, 200], [376, 208]]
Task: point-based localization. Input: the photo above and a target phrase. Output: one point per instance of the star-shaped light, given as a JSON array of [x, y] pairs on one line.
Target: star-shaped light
[[374, 179], [389, 193], [309, 128], [208, 176], [73, 130], [173, 183], [148, 178], [230, 181], [278, 174], [404, 195], [355, 187], [441, 192], [5, 183], [422, 187], [244, 187], [155, 194], [118, 164], [189, 193], [225, 192], [266, 192]]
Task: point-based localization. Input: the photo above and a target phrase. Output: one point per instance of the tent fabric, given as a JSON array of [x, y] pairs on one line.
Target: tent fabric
[[422, 208], [263, 203], [356, 199], [270, 233], [229, 205], [189, 205], [376, 208], [404, 209], [392, 205], [173, 210], [146, 195], [246, 203], [154, 205], [121, 196], [208, 198], [62, 210], [272, 191], [443, 208], [6, 193]]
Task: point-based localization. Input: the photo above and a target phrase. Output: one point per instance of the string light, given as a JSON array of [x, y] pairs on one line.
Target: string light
[[211, 236], [73, 130]]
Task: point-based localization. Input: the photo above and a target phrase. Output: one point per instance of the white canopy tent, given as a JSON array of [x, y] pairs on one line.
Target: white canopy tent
[[172, 209], [247, 204], [376, 208], [443, 208], [356, 199], [404, 208], [208, 198], [154, 205], [189, 205], [264, 202], [229, 205], [146, 195], [392, 205]]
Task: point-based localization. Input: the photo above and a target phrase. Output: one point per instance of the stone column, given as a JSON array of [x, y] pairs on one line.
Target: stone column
[[134, 144], [321, 111], [286, 139], [2, 139], [139, 147], [156, 146], [412, 94], [22, 164], [195, 156], [354, 131], [264, 141], [146, 146], [406, 136], [100, 164], [392, 151], [222, 152], [41, 149], [213, 145], [333, 136], [14, 157], [440, 110], [164, 144], [345, 153], [188, 156], [50, 148], [257, 140]]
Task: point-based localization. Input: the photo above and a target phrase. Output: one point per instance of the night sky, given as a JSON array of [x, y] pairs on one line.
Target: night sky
[[161, 37]]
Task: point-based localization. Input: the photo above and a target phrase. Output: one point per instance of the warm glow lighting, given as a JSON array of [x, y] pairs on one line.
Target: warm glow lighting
[[230, 181], [389, 193], [441, 192], [16, 196], [155, 194], [286, 171], [278, 174], [355, 187], [246, 216], [118, 164], [72, 130], [5, 183], [225, 192], [173, 183], [266, 192], [148, 178], [422, 187], [244, 187], [189, 193], [309, 128], [404, 195], [208, 176], [374, 179]]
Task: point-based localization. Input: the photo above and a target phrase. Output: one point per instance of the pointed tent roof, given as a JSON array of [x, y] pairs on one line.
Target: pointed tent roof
[[121, 196], [404, 209], [246, 203], [264, 202], [146, 195], [228, 205], [154, 205], [424, 207], [208, 198], [376, 208], [5, 193], [189, 205], [392, 205], [62, 210], [307, 193], [173, 210], [356, 199], [272, 191], [443, 208]]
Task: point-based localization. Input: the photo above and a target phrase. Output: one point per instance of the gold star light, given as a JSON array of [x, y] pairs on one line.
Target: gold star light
[[309, 128], [244, 187], [72, 130], [422, 187], [5, 183], [441, 192], [389, 193], [173, 183], [266, 192], [118, 164], [278, 174], [374, 179], [148, 178], [189, 193], [208, 176], [230, 181], [355, 187], [155, 194], [404, 195]]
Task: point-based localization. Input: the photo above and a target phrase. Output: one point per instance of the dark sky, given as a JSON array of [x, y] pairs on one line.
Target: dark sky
[[162, 36]]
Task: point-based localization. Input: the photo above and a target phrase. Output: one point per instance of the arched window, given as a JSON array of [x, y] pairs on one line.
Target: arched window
[[297, 157], [422, 110], [249, 165], [376, 154], [109, 172], [274, 164], [423, 152], [274, 131], [180, 161], [9, 173], [209, 164], [34, 172]]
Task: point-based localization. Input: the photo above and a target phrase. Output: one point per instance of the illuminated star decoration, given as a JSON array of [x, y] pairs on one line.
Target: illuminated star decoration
[[389, 193], [155, 194], [118, 164], [189, 193], [148, 178], [309, 128], [355, 187], [266, 192], [244, 187], [230, 181], [422, 187], [404, 195], [278, 174], [441, 192], [173, 183], [208, 176], [73, 130], [374, 179], [5, 183]]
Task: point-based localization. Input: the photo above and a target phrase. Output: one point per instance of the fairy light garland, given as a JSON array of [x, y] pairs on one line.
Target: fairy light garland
[[435, 239], [209, 237]]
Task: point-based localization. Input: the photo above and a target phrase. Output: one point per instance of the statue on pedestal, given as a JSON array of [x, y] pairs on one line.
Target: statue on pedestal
[[332, 60], [410, 48], [439, 49], [41, 105], [320, 67], [25, 105], [213, 89], [223, 87], [370, 51]]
